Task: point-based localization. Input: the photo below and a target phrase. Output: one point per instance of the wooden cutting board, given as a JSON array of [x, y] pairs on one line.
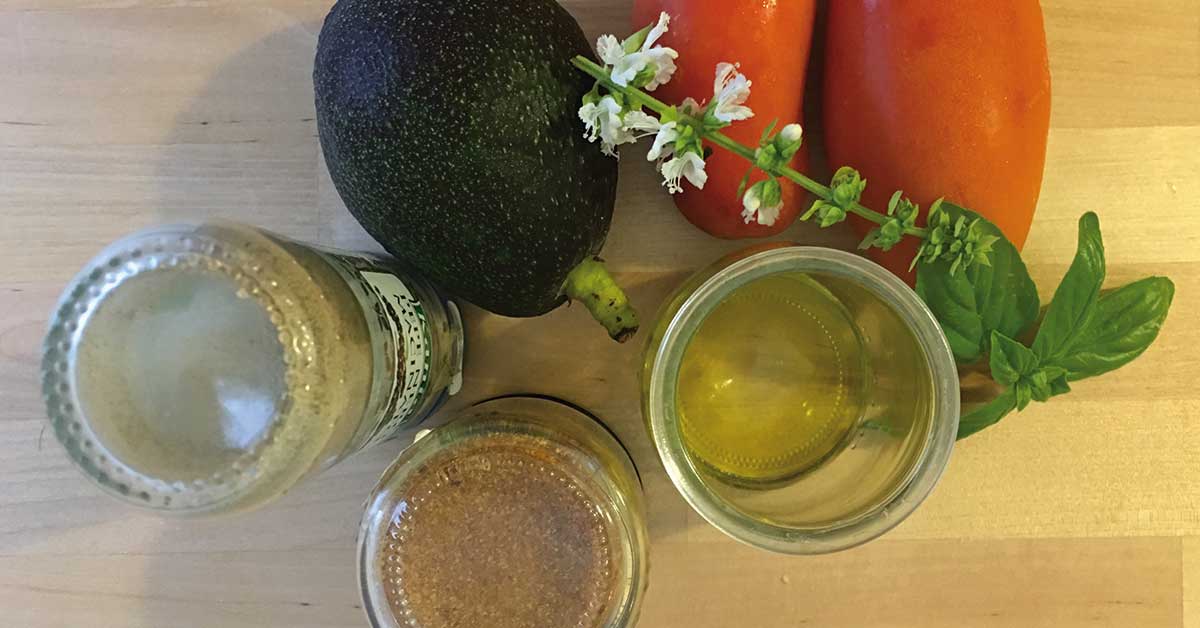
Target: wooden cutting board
[[116, 114]]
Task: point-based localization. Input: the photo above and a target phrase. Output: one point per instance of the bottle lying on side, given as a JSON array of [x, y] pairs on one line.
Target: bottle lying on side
[[201, 369]]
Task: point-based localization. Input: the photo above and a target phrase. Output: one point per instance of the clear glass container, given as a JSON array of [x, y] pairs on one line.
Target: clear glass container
[[524, 512], [199, 369], [803, 400]]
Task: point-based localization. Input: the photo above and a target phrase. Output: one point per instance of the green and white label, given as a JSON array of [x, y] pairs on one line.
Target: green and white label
[[401, 314]]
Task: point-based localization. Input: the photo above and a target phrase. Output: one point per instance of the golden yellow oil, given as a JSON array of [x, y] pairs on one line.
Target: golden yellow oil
[[774, 381]]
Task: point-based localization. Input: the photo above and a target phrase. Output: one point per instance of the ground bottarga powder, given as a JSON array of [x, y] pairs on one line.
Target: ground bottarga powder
[[500, 531]]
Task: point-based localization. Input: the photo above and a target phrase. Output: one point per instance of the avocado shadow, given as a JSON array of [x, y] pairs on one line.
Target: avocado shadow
[[244, 148]]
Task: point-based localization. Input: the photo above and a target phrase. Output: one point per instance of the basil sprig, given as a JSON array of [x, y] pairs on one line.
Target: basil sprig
[[969, 274], [996, 294], [1084, 333]]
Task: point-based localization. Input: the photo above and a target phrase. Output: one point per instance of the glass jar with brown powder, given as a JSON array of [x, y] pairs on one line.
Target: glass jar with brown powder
[[523, 513]]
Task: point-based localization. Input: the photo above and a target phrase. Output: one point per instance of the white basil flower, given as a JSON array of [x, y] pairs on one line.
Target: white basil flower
[[602, 120], [768, 215], [688, 166], [641, 123], [751, 203], [628, 60], [596, 114], [664, 142], [665, 134], [762, 203], [730, 90], [612, 137], [661, 57], [610, 49]]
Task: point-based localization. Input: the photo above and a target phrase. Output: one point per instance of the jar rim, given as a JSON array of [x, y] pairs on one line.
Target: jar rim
[[663, 418], [170, 248], [504, 415]]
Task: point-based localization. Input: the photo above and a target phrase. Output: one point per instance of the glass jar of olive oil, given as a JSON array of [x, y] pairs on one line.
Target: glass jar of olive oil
[[803, 400], [208, 368]]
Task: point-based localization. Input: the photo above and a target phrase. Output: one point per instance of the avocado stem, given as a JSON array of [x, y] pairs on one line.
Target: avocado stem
[[590, 284]]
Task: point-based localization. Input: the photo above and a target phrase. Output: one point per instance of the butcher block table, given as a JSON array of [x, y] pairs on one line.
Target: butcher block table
[[119, 114]]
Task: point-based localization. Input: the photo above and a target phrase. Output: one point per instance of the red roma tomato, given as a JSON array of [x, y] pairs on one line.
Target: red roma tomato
[[940, 99], [770, 39]]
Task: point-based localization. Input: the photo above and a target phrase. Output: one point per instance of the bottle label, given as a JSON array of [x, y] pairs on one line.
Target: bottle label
[[404, 317], [401, 315]]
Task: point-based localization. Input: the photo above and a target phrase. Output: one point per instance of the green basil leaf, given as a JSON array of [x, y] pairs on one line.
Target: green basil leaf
[[987, 415], [1053, 372], [971, 304], [1049, 381], [635, 41], [1024, 395], [1011, 361], [953, 302], [1075, 299], [1125, 323], [1039, 384], [766, 134]]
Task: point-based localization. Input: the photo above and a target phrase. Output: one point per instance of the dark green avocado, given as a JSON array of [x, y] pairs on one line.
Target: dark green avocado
[[451, 131]]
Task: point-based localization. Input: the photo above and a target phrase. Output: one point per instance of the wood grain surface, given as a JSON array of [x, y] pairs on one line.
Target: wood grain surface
[[117, 114]]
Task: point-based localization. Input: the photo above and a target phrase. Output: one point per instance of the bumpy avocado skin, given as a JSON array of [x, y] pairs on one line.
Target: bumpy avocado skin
[[450, 129]]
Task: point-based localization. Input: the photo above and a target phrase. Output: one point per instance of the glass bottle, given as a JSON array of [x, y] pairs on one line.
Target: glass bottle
[[208, 368]]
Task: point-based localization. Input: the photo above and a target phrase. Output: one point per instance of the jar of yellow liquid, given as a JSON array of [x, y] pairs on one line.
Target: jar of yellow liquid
[[201, 369], [803, 400]]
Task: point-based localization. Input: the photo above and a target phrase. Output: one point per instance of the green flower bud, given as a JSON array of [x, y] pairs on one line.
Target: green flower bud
[[831, 215], [885, 236], [847, 187], [890, 234], [904, 210], [961, 245], [959, 226], [792, 133], [788, 142], [771, 193], [937, 235], [769, 160], [845, 175], [816, 207], [827, 213]]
